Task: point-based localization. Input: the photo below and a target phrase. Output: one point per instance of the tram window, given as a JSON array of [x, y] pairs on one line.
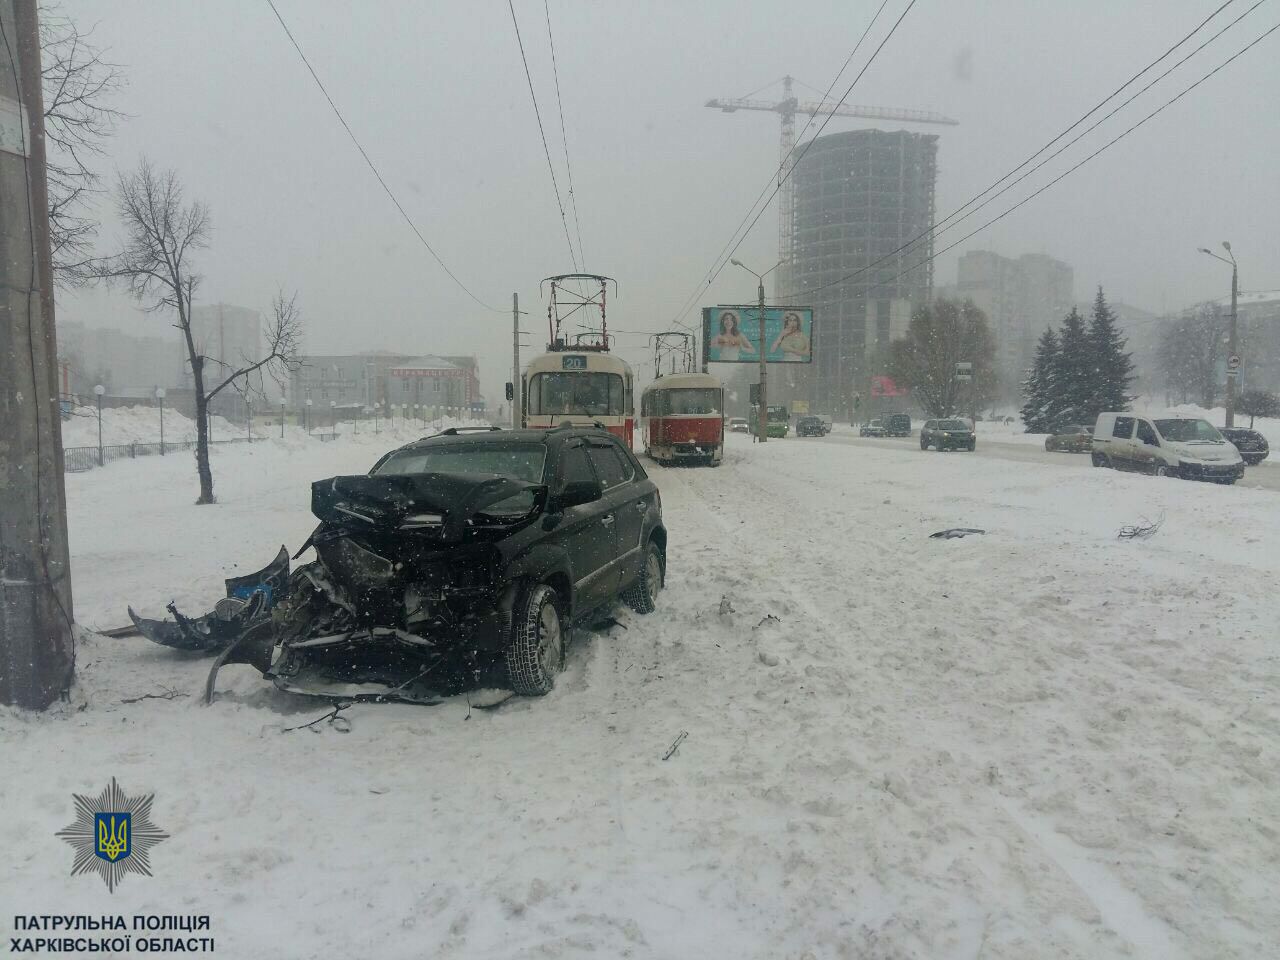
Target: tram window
[[583, 394], [703, 401]]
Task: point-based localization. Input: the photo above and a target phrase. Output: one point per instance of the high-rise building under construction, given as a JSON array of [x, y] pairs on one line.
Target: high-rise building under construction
[[859, 197]]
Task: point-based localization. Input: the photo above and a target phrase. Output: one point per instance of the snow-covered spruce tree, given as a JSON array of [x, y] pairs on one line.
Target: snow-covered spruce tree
[[1112, 364], [1040, 387], [1074, 371]]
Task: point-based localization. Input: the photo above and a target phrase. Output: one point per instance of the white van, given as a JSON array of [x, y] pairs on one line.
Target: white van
[[1185, 447]]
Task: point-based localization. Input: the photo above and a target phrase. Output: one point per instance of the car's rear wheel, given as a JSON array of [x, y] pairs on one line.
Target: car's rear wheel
[[1100, 460], [535, 651], [1163, 470], [642, 596]]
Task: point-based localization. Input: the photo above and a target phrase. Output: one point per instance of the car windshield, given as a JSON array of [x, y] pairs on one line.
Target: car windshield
[[703, 401], [952, 425], [1189, 430], [518, 461]]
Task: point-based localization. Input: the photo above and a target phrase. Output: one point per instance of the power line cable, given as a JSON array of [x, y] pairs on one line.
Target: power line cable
[[1105, 146], [372, 166], [573, 196], [784, 176], [954, 218], [555, 185]]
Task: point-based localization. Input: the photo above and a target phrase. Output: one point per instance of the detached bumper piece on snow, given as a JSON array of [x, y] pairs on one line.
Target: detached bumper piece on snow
[[402, 602], [249, 599]]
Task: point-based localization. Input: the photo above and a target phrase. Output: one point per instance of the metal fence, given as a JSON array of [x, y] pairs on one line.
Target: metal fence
[[80, 459]]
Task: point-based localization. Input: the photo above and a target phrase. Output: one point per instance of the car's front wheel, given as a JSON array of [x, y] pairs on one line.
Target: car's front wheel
[[924, 444], [535, 651], [1164, 470], [642, 596]]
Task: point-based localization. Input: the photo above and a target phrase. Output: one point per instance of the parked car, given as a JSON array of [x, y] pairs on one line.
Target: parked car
[[1073, 438], [739, 425], [826, 422], [463, 554], [951, 434], [872, 428], [1185, 447], [809, 426], [897, 425], [1252, 445]]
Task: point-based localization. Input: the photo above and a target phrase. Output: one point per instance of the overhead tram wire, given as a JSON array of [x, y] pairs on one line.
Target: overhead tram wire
[[555, 185], [937, 229], [787, 174], [1116, 139], [688, 301], [373, 167], [564, 138]]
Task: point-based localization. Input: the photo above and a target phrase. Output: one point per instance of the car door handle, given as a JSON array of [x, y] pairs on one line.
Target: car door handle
[[607, 519], [642, 506]]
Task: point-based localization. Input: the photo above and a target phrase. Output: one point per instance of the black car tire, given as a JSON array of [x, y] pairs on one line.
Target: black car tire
[[642, 596], [924, 444], [534, 654], [973, 445], [1100, 460], [1163, 470]]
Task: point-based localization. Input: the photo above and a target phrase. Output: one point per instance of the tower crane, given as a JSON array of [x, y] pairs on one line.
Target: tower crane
[[787, 108]]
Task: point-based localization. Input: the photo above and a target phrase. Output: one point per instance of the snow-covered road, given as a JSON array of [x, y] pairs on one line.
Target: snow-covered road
[[1039, 742]]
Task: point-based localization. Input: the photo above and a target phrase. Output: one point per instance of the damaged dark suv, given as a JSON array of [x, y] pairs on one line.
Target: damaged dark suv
[[457, 557]]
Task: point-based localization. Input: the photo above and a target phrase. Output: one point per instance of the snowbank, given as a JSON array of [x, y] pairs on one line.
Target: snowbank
[[139, 424]]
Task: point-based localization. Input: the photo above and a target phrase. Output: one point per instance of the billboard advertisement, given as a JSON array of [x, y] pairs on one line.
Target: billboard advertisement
[[732, 334]]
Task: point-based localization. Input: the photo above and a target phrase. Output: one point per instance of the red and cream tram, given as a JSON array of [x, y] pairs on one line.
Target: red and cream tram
[[682, 418], [580, 386], [579, 383]]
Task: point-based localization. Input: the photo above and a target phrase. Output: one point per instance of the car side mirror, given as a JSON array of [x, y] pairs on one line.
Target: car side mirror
[[578, 492]]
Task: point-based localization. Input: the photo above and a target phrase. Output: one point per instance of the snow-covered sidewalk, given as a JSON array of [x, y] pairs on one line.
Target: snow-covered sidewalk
[[1038, 742]]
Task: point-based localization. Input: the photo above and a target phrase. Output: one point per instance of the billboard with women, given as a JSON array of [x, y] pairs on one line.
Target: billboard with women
[[732, 334]]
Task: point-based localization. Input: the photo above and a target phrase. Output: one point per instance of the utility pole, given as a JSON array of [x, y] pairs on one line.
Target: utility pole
[[516, 403], [1233, 334], [37, 658], [764, 370], [762, 427], [1233, 344]]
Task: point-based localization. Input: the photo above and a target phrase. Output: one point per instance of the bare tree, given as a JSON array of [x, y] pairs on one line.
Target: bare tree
[[162, 231], [78, 85], [940, 335], [1189, 351]]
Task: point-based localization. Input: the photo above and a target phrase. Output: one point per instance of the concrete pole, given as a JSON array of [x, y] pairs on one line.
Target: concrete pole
[[516, 402], [763, 426], [1233, 346], [37, 656]]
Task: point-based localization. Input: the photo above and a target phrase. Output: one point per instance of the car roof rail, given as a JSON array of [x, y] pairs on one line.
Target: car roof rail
[[455, 431]]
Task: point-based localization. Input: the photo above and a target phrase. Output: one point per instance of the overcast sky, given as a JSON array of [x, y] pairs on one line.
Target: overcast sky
[[437, 94]]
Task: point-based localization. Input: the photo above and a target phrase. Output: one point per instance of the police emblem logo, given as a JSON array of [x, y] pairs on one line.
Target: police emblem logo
[[112, 835]]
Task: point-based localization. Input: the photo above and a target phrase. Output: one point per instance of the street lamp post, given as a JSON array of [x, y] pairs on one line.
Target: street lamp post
[[282, 406], [160, 397], [248, 419], [375, 417], [762, 427], [98, 391], [1233, 344], [306, 416], [333, 417]]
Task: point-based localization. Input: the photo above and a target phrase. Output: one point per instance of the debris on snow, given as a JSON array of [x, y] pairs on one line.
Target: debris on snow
[[954, 533], [675, 744], [769, 659], [1140, 531]]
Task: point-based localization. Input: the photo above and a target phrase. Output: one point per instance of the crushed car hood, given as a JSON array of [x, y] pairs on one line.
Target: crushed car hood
[[443, 502]]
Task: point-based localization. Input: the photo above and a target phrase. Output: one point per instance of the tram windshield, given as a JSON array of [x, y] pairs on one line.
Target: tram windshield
[[690, 401], [577, 393]]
